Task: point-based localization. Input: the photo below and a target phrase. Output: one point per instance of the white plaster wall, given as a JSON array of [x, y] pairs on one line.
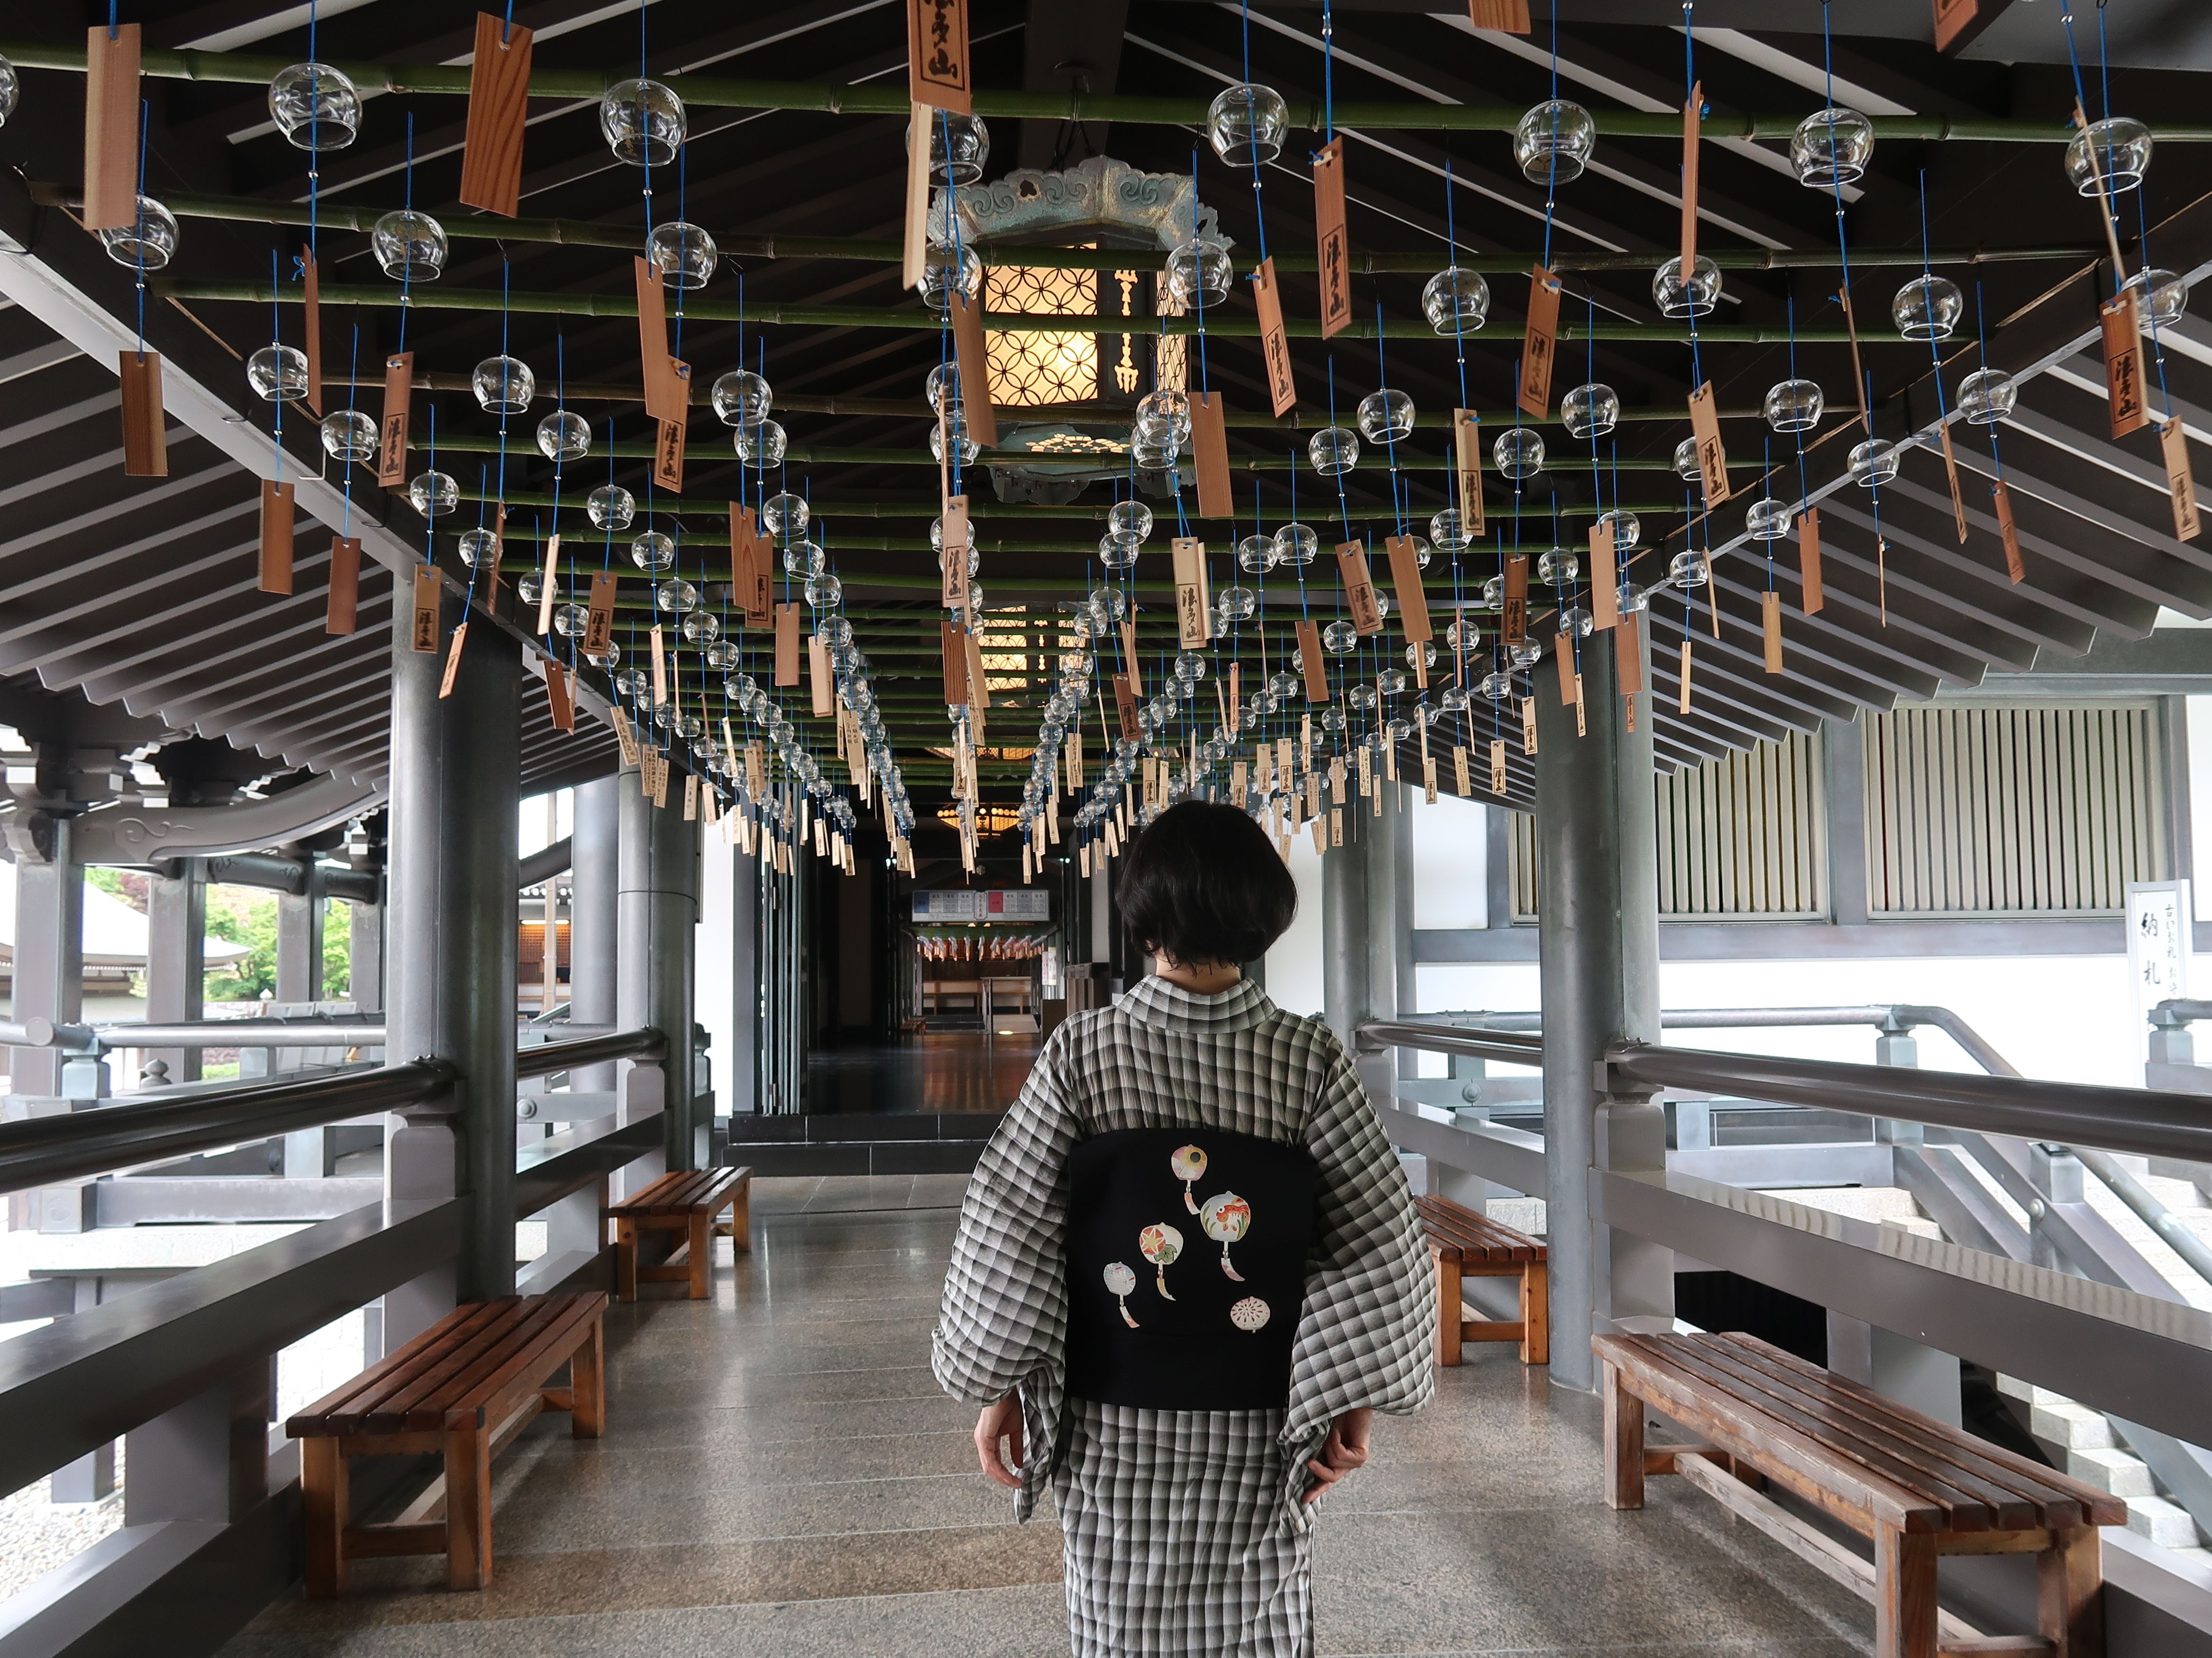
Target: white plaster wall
[[1451, 846], [1294, 981], [714, 983]]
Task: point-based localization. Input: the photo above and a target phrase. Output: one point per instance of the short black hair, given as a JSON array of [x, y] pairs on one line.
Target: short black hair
[[1203, 885]]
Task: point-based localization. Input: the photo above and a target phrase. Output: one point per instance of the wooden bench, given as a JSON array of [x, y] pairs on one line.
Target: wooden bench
[[684, 1201], [1464, 1244], [1918, 1488], [462, 1390]]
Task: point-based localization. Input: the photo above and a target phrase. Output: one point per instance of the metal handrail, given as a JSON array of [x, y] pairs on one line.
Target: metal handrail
[[545, 1058], [1886, 1016], [1477, 1041]]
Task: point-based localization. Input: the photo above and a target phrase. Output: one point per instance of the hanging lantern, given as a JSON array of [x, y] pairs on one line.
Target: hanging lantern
[[1689, 570], [684, 254], [1361, 697], [2109, 156], [1385, 416], [1590, 411], [569, 621], [1245, 124], [1519, 454], [1559, 567], [1449, 531], [1927, 308], [1695, 297], [1128, 522], [1116, 555], [1339, 638], [1686, 466], [1164, 416], [676, 595], [804, 559], [503, 385], [955, 424], [1874, 462], [652, 551], [938, 270], [410, 246], [1150, 454], [1767, 520], [1831, 147], [1256, 555], [1455, 301], [1297, 545], [564, 436], [433, 494], [742, 398], [642, 122], [1391, 681], [479, 546], [1200, 272], [610, 506], [971, 146], [1333, 451], [1627, 528], [314, 106], [786, 516], [1553, 141], [350, 435], [277, 372], [1986, 397], [702, 628], [149, 241], [2161, 297], [763, 445], [1792, 405]]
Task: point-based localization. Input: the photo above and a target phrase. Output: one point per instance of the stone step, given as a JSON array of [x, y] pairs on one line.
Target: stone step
[[2165, 1523], [2114, 1471], [2076, 1427]]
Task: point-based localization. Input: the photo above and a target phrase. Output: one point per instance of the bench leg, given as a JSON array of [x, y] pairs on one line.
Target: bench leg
[[625, 1261], [1624, 1443], [468, 1508], [1535, 1315], [587, 1385], [701, 1260], [2069, 1607], [741, 1220], [323, 1496], [1904, 1594], [1448, 1314]]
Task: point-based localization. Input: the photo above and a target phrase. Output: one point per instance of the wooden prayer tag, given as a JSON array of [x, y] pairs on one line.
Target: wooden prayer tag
[[1194, 604], [1274, 341], [1605, 578], [1209, 455], [548, 583], [1467, 471], [691, 798], [453, 661], [1332, 248], [1125, 705], [1809, 560], [1628, 656], [1951, 472], [1405, 583], [653, 361], [1569, 677], [787, 644], [1540, 343], [954, 583], [2008, 532], [1513, 620], [954, 656], [1463, 782], [1311, 663], [1510, 15], [1951, 17], [345, 602], [1691, 123], [558, 702], [110, 127], [1497, 765], [1527, 724], [499, 98], [972, 356], [1770, 623], [2173, 443], [915, 254], [937, 54], [392, 450], [311, 316], [276, 536], [1131, 662], [423, 634], [2123, 370], [1358, 588], [819, 684], [145, 429], [1582, 713], [668, 453], [1712, 459], [979, 689], [758, 574], [600, 615], [1682, 676], [660, 650]]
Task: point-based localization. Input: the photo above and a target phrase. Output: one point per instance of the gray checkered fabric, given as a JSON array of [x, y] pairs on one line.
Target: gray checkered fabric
[[1185, 1533]]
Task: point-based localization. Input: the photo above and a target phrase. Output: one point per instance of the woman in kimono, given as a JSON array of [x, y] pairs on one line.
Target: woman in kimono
[[1188, 1409]]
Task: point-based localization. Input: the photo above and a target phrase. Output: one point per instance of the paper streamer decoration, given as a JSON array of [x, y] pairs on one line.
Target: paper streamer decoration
[[499, 98]]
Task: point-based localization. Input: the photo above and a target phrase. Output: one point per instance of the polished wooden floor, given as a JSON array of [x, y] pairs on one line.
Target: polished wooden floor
[[780, 1476], [943, 1071]]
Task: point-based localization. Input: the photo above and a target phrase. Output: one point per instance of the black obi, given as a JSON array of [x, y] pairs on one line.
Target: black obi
[[1186, 1267]]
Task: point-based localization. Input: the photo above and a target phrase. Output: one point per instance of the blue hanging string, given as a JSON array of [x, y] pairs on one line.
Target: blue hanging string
[[1835, 179], [430, 524], [407, 195], [276, 337], [1390, 438], [145, 120]]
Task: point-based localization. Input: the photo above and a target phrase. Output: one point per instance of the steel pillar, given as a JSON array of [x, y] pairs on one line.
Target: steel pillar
[[455, 769], [299, 940], [657, 923], [1344, 917], [49, 966], [591, 910], [365, 958], [176, 959], [1598, 935], [743, 1085]]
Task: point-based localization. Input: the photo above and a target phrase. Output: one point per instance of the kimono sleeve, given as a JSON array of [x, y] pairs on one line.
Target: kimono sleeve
[[1003, 1318], [1366, 1335]]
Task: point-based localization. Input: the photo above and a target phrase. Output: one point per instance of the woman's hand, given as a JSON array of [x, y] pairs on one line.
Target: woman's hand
[[1004, 1421], [1345, 1449]]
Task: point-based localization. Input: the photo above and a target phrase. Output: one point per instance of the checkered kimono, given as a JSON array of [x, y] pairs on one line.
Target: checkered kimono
[[1185, 1535]]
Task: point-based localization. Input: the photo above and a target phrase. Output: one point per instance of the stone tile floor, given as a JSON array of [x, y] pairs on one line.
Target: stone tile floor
[[781, 1476]]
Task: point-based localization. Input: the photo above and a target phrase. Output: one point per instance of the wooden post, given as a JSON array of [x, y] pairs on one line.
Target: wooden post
[[2069, 1607], [625, 1259], [323, 1496], [1624, 1442], [1535, 1313], [587, 1385], [700, 1235], [468, 1507], [1905, 1593], [1446, 1307]]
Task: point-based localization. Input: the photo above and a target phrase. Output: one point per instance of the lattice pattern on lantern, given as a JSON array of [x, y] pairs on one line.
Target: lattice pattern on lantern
[[1170, 352], [1031, 369]]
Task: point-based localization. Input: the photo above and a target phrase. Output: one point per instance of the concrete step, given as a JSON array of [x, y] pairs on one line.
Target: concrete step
[[2076, 1427], [2114, 1471], [2165, 1523]]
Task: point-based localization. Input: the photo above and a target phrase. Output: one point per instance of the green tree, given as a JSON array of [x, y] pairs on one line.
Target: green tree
[[337, 960], [243, 916]]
